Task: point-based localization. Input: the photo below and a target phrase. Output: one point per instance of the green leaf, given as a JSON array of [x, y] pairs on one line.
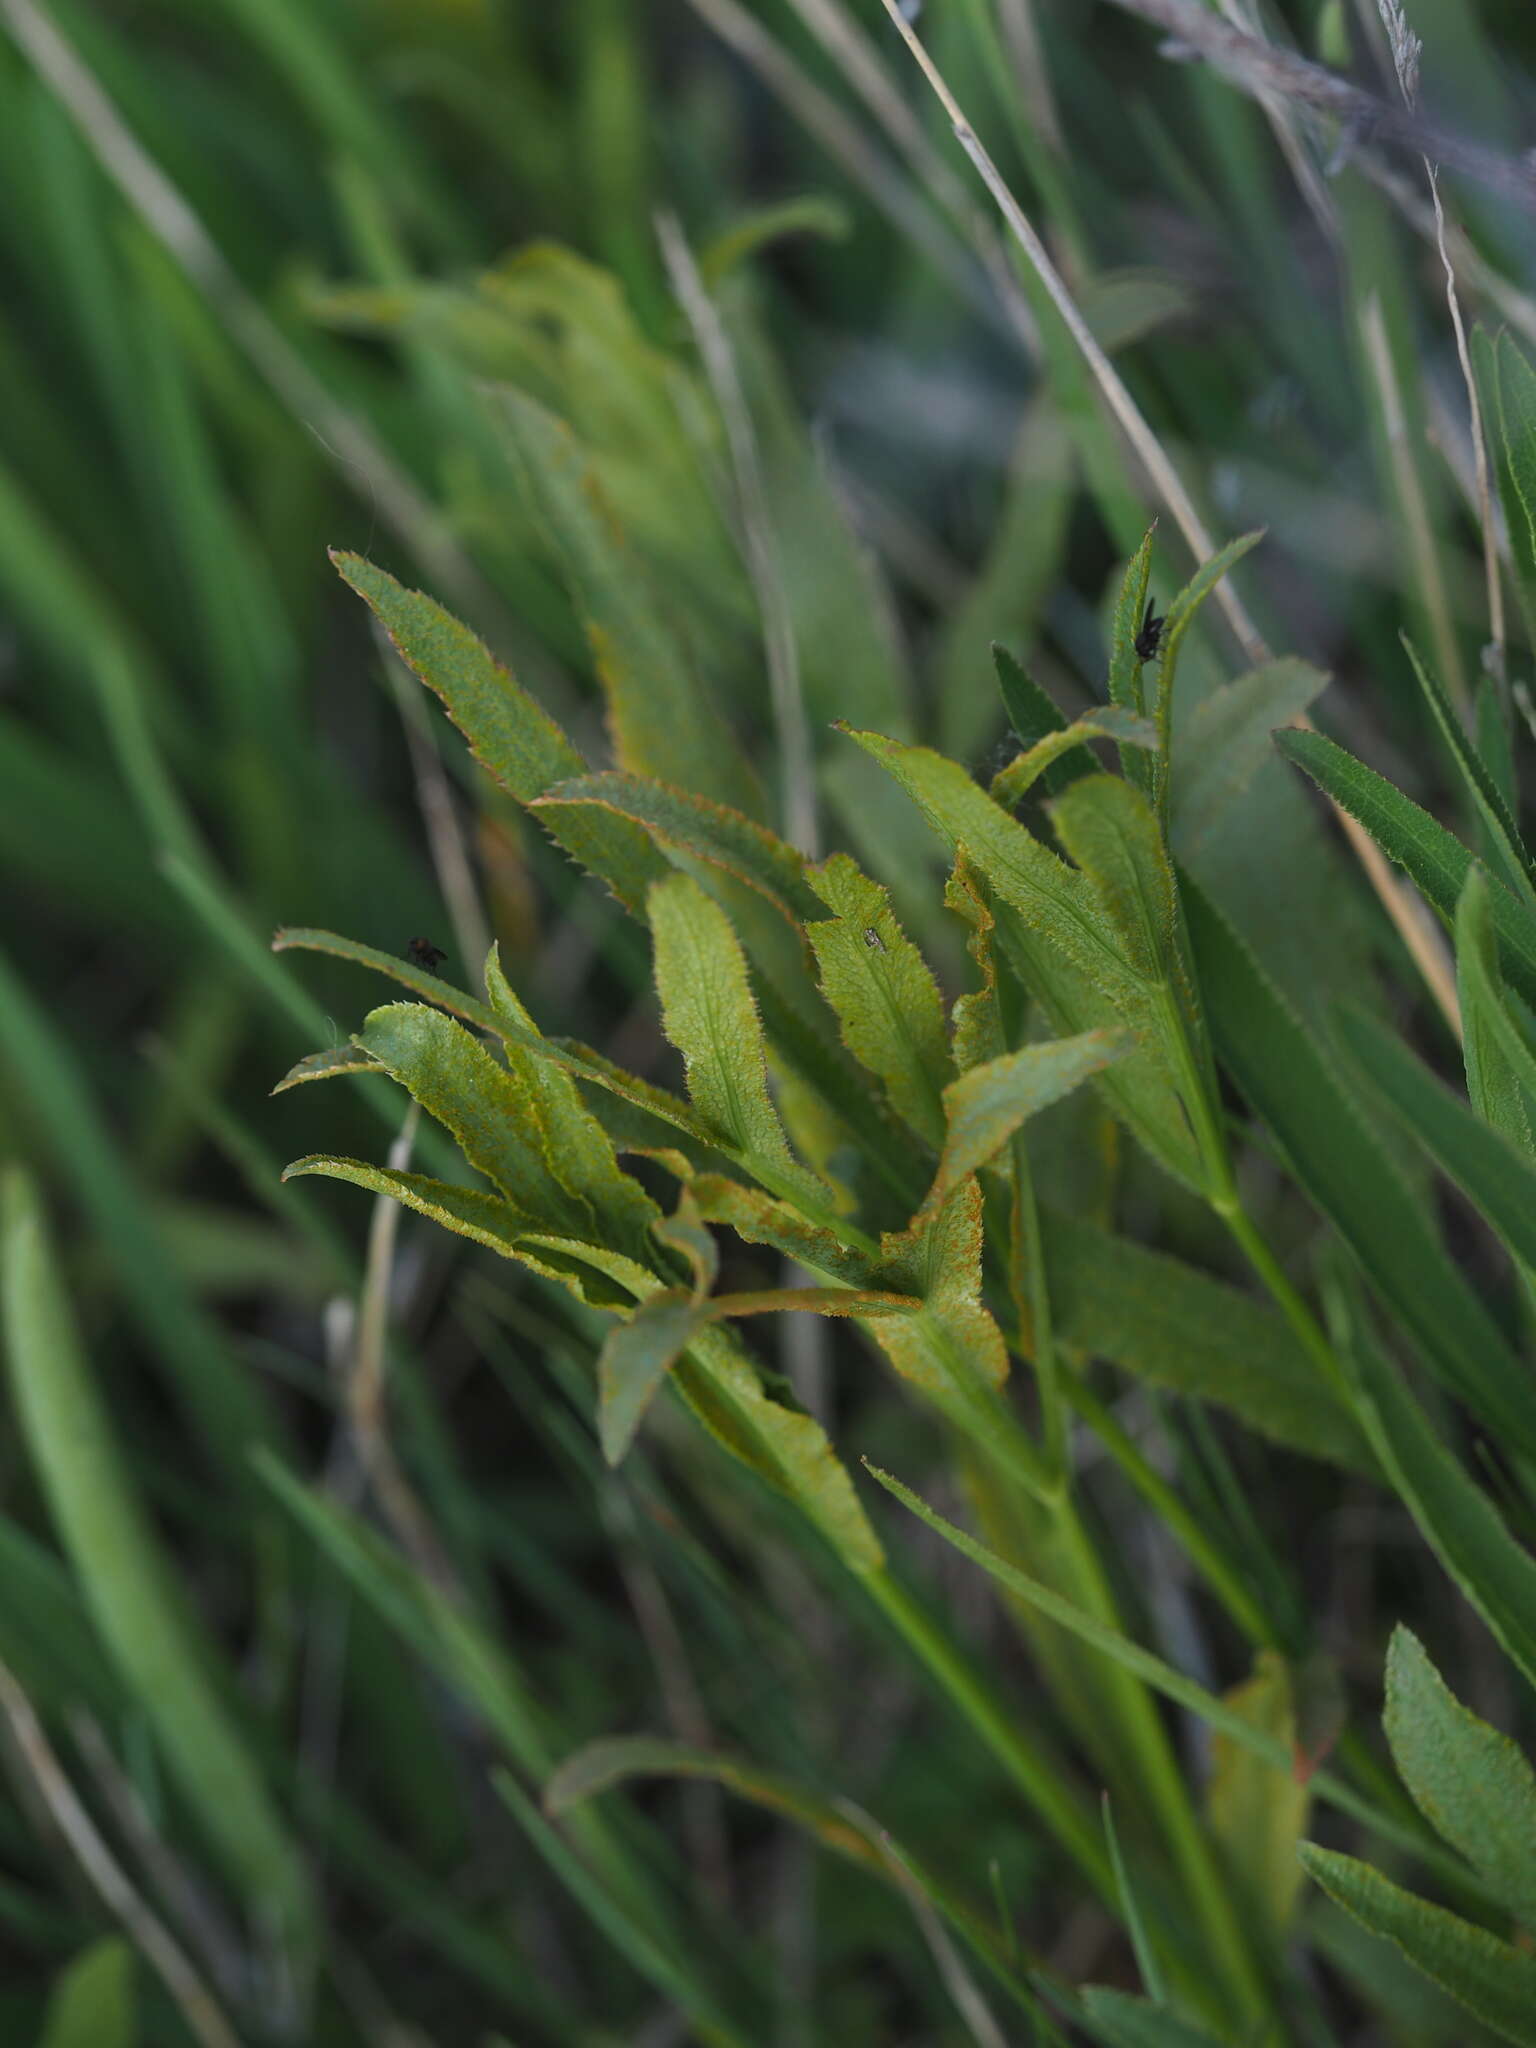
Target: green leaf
[[1471, 1783], [953, 1346], [1503, 832], [1056, 933], [513, 738], [664, 720], [1435, 859], [577, 1149], [1512, 387], [978, 1035], [305, 939], [762, 1219], [784, 1446], [1489, 1170], [1106, 722], [1258, 1814], [1493, 1980], [1121, 2021], [1501, 1068], [1177, 1328], [603, 1279], [989, 1103], [1456, 1519], [1229, 739], [1034, 717], [492, 1113], [1109, 829], [636, 1357], [91, 2004], [708, 1013], [679, 821], [1282, 1069], [887, 1002], [133, 1595]]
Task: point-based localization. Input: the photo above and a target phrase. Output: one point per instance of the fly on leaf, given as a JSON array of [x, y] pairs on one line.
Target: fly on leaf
[[1150, 639]]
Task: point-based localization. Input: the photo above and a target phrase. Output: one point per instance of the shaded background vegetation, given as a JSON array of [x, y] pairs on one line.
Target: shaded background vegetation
[[286, 316]]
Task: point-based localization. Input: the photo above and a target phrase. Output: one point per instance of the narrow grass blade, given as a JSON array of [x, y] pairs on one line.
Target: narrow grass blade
[[1488, 1169], [1435, 859], [128, 1586], [1288, 1078]]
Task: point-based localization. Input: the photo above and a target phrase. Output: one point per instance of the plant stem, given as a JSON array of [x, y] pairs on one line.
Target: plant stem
[[1175, 1514], [1037, 1775]]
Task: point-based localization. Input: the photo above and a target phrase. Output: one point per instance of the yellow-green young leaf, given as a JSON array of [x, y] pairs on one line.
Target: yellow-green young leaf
[[1054, 929], [709, 1014], [577, 1150], [1053, 900], [1182, 614], [784, 1446], [1258, 1814], [509, 734], [1108, 722], [681, 822], [686, 1234], [989, 1103], [978, 1023], [91, 2004], [1472, 1784], [1488, 1976], [885, 997], [486, 1219], [1501, 1067], [953, 1346], [489, 1111], [326, 1066], [845, 1252], [128, 1587], [816, 1301], [1125, 663], [636, 1357], [664, 720]]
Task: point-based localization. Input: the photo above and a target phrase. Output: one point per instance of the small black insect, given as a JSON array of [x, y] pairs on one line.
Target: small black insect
[[1150, 639], [425, 954], [873, 940]]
